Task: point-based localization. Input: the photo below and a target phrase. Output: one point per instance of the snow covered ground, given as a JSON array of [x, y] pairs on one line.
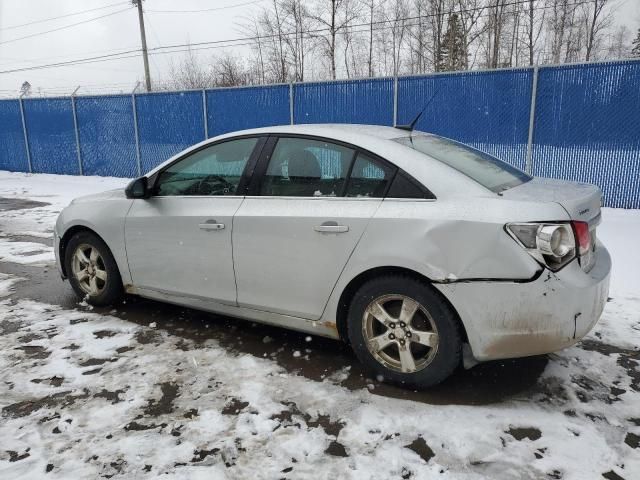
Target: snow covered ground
[[88, 394]]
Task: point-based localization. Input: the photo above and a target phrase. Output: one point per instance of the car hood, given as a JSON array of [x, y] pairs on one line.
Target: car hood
[[109, 194], [582, 201]]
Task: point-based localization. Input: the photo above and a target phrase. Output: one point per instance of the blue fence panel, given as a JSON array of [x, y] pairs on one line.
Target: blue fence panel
[[352, 101], [167, 124], [488, 110], [231, 109], [107, 137], [13, 155], [587, 128], [52, 139]]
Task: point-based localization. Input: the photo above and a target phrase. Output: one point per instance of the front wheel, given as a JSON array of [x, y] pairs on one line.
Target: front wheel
[[403, 331], [92, 270]]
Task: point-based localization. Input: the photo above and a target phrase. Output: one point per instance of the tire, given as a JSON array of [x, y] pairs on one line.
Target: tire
[[432, 336], [97, 264]]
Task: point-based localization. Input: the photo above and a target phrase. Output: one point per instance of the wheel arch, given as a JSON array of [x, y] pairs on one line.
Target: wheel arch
[[67, 236], [352, 287]]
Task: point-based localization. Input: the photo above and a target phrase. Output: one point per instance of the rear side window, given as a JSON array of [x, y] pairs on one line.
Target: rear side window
[[405, 187], [301, 167], [369, 178], [485, 169]]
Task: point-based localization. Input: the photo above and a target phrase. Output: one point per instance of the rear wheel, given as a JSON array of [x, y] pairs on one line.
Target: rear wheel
[[404, 331], [92, 270]]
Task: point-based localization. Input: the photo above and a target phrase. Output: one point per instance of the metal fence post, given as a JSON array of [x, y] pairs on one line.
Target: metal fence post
[[395, 100], [135, 129], [24, 132], [75, 128], [528, 166], [291, 103], [205, 112]]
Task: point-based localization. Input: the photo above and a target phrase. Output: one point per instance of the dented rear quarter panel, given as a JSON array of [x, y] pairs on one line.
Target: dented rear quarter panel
[[448, 240]]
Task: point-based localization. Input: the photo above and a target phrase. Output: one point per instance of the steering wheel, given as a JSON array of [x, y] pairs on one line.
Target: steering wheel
[[215, 185]]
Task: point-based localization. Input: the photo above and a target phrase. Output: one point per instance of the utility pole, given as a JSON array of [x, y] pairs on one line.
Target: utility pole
[[143, 38]]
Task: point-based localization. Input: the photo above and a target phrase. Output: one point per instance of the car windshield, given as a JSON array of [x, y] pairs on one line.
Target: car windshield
[[485, 169]]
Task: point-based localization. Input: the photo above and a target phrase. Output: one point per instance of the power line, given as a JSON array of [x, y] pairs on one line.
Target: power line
[[177, 48], [63, 16], [63, 27], [206, 9]]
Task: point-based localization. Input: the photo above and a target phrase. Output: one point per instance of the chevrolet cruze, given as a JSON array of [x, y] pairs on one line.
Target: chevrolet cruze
[[419, 251]]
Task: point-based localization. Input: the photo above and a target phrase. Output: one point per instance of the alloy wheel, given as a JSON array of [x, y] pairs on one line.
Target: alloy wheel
[[89, 269], [400, 333]]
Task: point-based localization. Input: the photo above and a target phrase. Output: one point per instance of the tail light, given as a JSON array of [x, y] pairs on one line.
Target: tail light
[[583, 236], [551, 244]]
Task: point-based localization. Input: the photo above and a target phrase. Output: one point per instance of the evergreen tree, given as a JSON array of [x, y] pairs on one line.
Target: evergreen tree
[[635, 51], [452, 53]]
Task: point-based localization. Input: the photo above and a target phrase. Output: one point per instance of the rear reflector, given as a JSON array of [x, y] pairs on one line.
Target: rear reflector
[[583, 236]]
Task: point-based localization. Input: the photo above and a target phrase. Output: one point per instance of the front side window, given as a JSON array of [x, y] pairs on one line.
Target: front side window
[[215, 170], [485, 169], [301, 167]]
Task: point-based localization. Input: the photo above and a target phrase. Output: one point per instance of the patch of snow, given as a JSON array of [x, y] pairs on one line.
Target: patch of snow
[[26, 253]]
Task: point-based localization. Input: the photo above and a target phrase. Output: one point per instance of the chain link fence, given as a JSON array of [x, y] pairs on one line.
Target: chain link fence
[[577, 122]]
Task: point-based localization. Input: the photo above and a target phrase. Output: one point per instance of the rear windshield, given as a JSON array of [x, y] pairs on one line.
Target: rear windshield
[[488, 171]]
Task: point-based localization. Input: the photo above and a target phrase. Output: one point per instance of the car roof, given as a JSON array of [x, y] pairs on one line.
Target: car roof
[[337, 131]]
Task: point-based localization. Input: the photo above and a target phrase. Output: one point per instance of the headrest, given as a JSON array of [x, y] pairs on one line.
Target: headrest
[[303, 163]]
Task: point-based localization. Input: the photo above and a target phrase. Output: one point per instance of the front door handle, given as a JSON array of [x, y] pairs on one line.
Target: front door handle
[[331, 227], [211, 225]]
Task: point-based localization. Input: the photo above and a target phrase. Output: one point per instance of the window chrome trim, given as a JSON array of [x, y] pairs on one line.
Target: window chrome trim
[[315, 198], [195, 196]]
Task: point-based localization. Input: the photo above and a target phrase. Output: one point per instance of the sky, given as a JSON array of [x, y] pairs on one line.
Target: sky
[[118, 31]]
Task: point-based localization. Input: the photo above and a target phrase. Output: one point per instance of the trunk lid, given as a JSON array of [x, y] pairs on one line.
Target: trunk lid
[[582, 201]]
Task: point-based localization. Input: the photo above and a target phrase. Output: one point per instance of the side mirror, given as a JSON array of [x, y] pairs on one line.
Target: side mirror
[[137, 188]]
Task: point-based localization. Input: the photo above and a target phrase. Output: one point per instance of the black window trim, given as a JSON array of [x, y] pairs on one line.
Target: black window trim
[[247, 173], [428, 194], [270, 145]]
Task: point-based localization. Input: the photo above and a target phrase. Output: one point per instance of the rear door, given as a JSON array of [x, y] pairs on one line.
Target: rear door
[[179, 240], [311, 200]]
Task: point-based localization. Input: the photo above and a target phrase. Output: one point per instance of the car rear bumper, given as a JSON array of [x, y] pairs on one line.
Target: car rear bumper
[[507, 319]]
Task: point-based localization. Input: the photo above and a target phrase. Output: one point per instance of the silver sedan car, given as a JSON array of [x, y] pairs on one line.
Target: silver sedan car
[[419, 251]]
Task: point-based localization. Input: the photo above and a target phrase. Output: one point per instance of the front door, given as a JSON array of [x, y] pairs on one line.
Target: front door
[[179, 240], [293, 237]]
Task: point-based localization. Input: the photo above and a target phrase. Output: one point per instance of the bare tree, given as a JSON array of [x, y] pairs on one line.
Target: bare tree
[[635, 51], [597, 17], [296, 23], [495, 25], [395, 28], [332, 16], [619, 46], [533, 28], [370, 7], [189, 73], [229, 71], [470, 12], [437, 16]]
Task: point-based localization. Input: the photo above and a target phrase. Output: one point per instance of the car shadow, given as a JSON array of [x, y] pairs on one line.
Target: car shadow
[[319, 358], [314, 357]]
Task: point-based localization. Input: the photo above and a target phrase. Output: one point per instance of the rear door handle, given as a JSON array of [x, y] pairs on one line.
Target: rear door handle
[[211, 225], [331, 227]]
